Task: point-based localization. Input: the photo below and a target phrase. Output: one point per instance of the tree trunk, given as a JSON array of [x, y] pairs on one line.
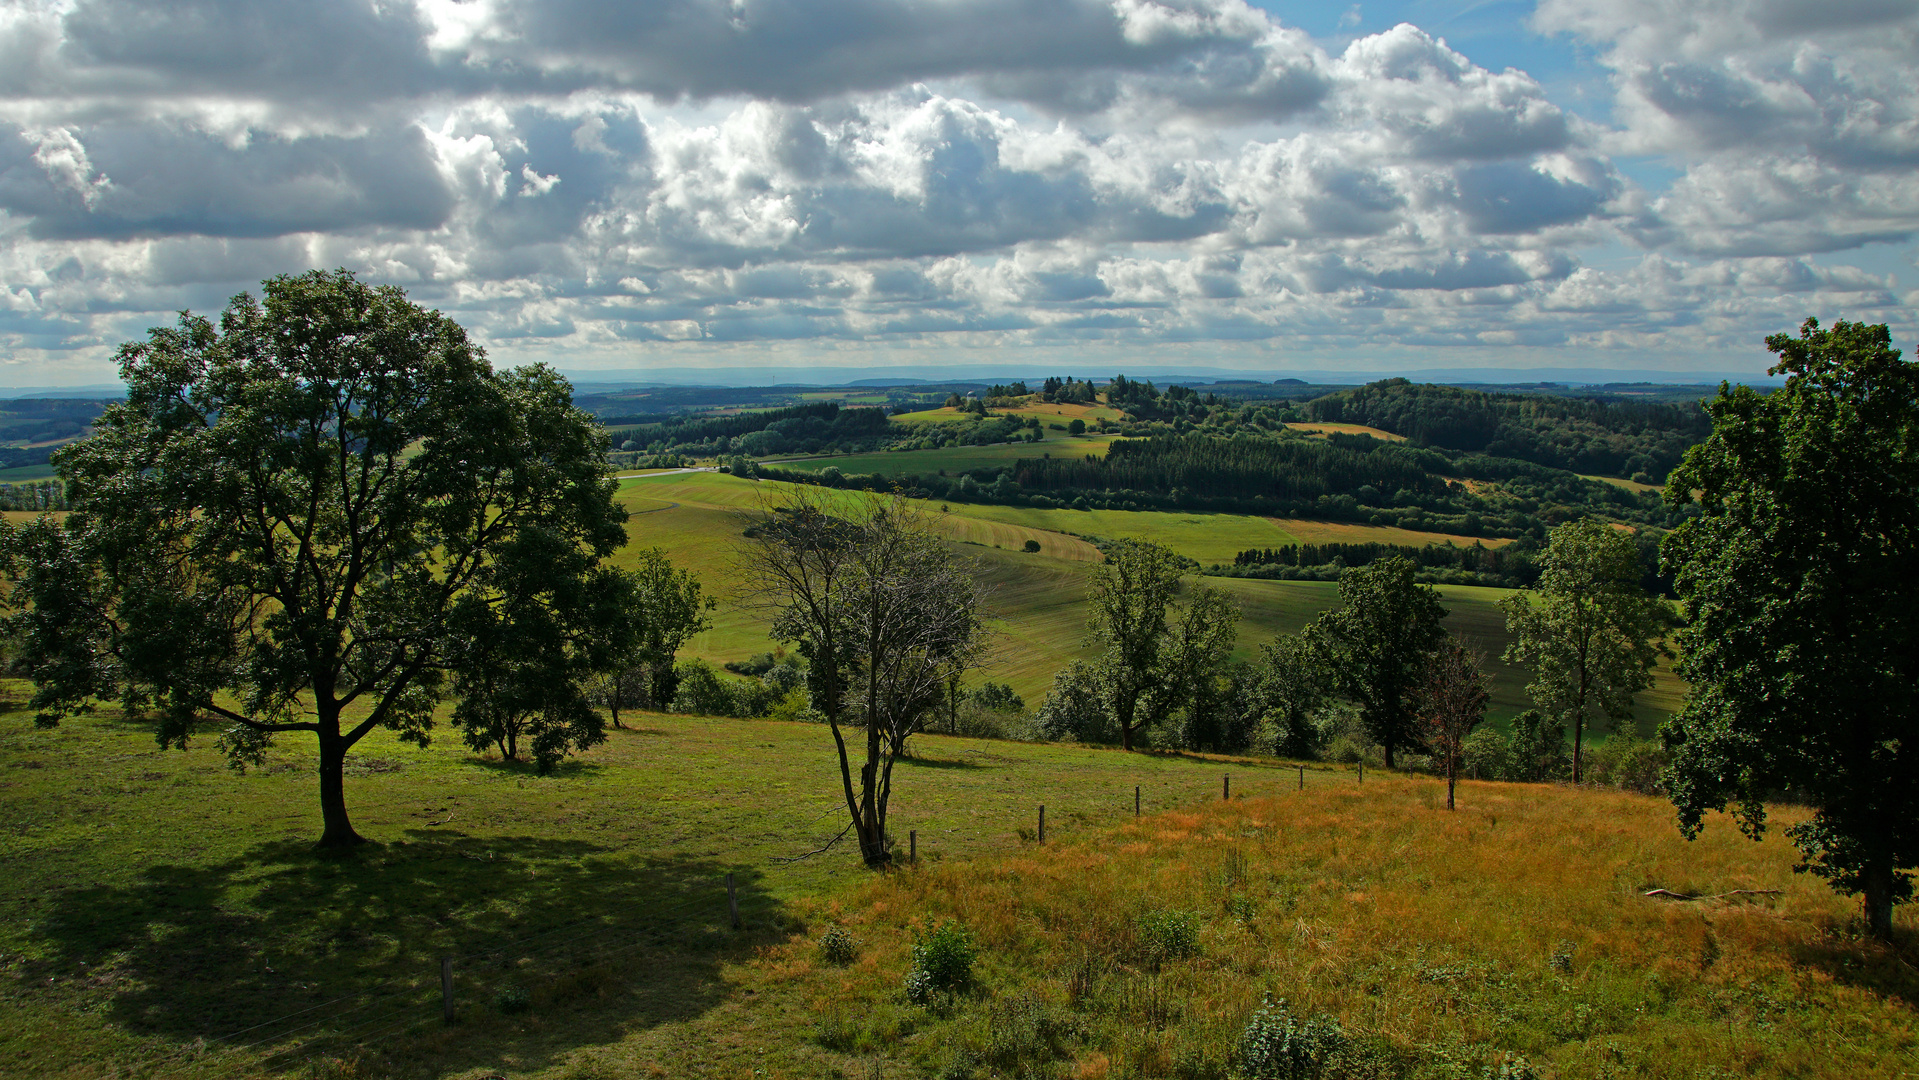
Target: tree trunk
[[1389, 755], [1452, 780], [338, 831], [1878, 898], [1579, 731]]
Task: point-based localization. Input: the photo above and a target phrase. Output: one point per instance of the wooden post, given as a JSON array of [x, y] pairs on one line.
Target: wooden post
[[1226, 787], [1302, 778], [1042, 823], [733, 901], [912, 845], [446, 988], [1362, 770], [1135, 800]]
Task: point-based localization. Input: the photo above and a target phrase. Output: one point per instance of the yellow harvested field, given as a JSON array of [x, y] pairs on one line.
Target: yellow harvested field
[[1347, 429], [1345, 532], [1629, 485]]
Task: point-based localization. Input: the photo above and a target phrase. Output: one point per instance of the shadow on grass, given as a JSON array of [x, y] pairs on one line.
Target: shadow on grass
[[939, 763], [311, 953], [1890, 969], [527, 767]]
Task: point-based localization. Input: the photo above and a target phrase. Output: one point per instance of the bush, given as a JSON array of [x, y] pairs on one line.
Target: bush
[[1076, 427], [1168, 935], [838, 947], [1031, 546], [942, 963], [702, 692], [1538, 747], [1485, 756], [1628, 763], [1074, 708], [512, 998], [1277, 1045]]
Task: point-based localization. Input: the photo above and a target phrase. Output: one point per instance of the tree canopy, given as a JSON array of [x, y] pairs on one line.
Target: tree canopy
[[1588, 630], [1373, 648], [1801, 584], [272, 532]]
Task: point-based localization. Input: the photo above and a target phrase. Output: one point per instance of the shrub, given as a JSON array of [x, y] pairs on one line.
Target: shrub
[[1169, 935], [702, 692], [942, 963], [1485, 755], [1538, 747], [1628, 763], [512, 998], [838, 947], [1076, 426], [1031, 546], [1277, 1045]]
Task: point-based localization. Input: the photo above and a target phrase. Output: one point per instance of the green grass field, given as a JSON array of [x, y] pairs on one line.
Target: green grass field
[[1045, 413], [164, 916]]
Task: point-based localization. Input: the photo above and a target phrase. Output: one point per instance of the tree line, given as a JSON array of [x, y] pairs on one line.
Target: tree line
[[1508, 566]]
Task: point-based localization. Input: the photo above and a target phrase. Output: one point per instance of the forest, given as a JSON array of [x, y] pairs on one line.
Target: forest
[[1617, 438]]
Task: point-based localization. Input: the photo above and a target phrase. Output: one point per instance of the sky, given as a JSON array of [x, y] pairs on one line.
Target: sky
[[755, 189]]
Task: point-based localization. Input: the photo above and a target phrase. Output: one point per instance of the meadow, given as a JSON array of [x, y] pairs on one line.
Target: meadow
[[1045, 412], [164, 916]]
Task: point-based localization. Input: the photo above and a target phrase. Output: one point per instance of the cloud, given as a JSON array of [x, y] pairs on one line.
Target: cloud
[[594, 182]]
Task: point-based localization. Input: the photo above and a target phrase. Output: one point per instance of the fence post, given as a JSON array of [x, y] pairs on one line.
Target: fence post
[[1302, 778], [446, 988], [1226, 787], [1135, 800], [1362, 770], [733, 901], [1042, 823], [912, 845]]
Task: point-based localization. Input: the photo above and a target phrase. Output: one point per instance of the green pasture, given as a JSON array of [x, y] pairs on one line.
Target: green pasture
[[1045, 413]]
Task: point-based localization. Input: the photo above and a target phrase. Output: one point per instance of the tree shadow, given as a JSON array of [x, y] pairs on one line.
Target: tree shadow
[[1888, 969], [527, 767], [938, 763], [310, 954]]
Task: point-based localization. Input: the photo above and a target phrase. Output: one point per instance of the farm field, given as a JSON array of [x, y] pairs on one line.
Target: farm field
[[164, 916], [1038, 599], [1046, 413], [1347, 429], [955, 459], [1629, 485]]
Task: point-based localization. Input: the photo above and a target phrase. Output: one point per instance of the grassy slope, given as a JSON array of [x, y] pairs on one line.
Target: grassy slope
[[157, 898], [1347, 429], [1047, 414], [1039, 597]]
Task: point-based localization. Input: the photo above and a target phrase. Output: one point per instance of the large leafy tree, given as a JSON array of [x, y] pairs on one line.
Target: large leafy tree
[[1588, 628], [884, 614], [272, 533], [1801, 582], [1155, 654], [1373, 648]]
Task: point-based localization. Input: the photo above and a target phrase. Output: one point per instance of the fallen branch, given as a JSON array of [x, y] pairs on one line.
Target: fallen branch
[[1668, 894], [818, 850]]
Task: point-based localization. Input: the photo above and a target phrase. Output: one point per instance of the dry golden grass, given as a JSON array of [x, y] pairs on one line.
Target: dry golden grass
[[1347, 429], [1342, 532], [1446, 942]]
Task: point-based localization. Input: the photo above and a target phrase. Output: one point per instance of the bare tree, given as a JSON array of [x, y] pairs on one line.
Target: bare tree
[[884, 614], [1451, 702]]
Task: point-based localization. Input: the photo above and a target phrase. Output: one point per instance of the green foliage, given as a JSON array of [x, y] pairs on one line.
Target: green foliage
[[286, 514], [704, 692], [1588, 630], [1801, 582], [1167, 934], [838, 946], [1276, 1045], [998, 697], [1536, 748], [1076, 426], [512, 999], [1374, 648], [1150, 664], [1287, 689], [942, 962], [1030, 546], [1289, 471], [1508, 565]]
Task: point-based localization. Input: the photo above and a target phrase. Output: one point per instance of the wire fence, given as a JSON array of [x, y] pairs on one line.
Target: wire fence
[[505, 975]]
